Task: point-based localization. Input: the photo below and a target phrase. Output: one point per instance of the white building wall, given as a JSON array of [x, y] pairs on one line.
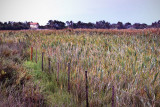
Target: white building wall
[[34, 26]]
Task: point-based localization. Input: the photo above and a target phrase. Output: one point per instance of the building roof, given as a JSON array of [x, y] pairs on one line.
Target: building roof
[[33, 23]]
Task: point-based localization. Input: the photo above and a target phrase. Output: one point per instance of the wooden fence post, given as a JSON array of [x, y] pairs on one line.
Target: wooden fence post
[[87, 104], [68, 77], [49, 64], [36, 54], [42, 60], [113, 105], [57, 72], [31, 56]]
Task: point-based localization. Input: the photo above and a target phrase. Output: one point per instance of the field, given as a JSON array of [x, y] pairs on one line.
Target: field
[[47, 68]]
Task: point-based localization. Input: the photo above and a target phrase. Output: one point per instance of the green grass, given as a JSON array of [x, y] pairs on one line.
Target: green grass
[[55, 94]]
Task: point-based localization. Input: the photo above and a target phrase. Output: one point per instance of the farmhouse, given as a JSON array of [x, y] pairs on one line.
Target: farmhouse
[[34, 25]]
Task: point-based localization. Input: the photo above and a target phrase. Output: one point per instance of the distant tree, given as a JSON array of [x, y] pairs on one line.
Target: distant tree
[[74, 25], [143, 26], [1, 26], [120, 25], [159, 24], [114, 26], [50, 24], [42, 27], [100, 24], [137, 25], [5, 26], [127, 25], [69, 24], [79, 24], [90, 25], [107, 25], [155, 24], [55, 24]]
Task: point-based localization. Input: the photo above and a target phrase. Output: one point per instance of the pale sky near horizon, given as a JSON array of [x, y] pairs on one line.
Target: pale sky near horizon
[[141, 11]]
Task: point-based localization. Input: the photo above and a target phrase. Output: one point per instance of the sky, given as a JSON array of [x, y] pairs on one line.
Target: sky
[[134, 11]]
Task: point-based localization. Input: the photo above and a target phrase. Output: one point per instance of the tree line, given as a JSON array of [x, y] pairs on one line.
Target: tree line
[[14, 25], [55, 24]]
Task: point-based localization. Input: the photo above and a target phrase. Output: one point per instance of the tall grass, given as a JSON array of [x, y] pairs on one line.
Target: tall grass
[[129, 60]]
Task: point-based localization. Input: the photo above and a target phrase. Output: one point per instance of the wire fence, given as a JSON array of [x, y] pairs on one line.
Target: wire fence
[[114, 89]]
